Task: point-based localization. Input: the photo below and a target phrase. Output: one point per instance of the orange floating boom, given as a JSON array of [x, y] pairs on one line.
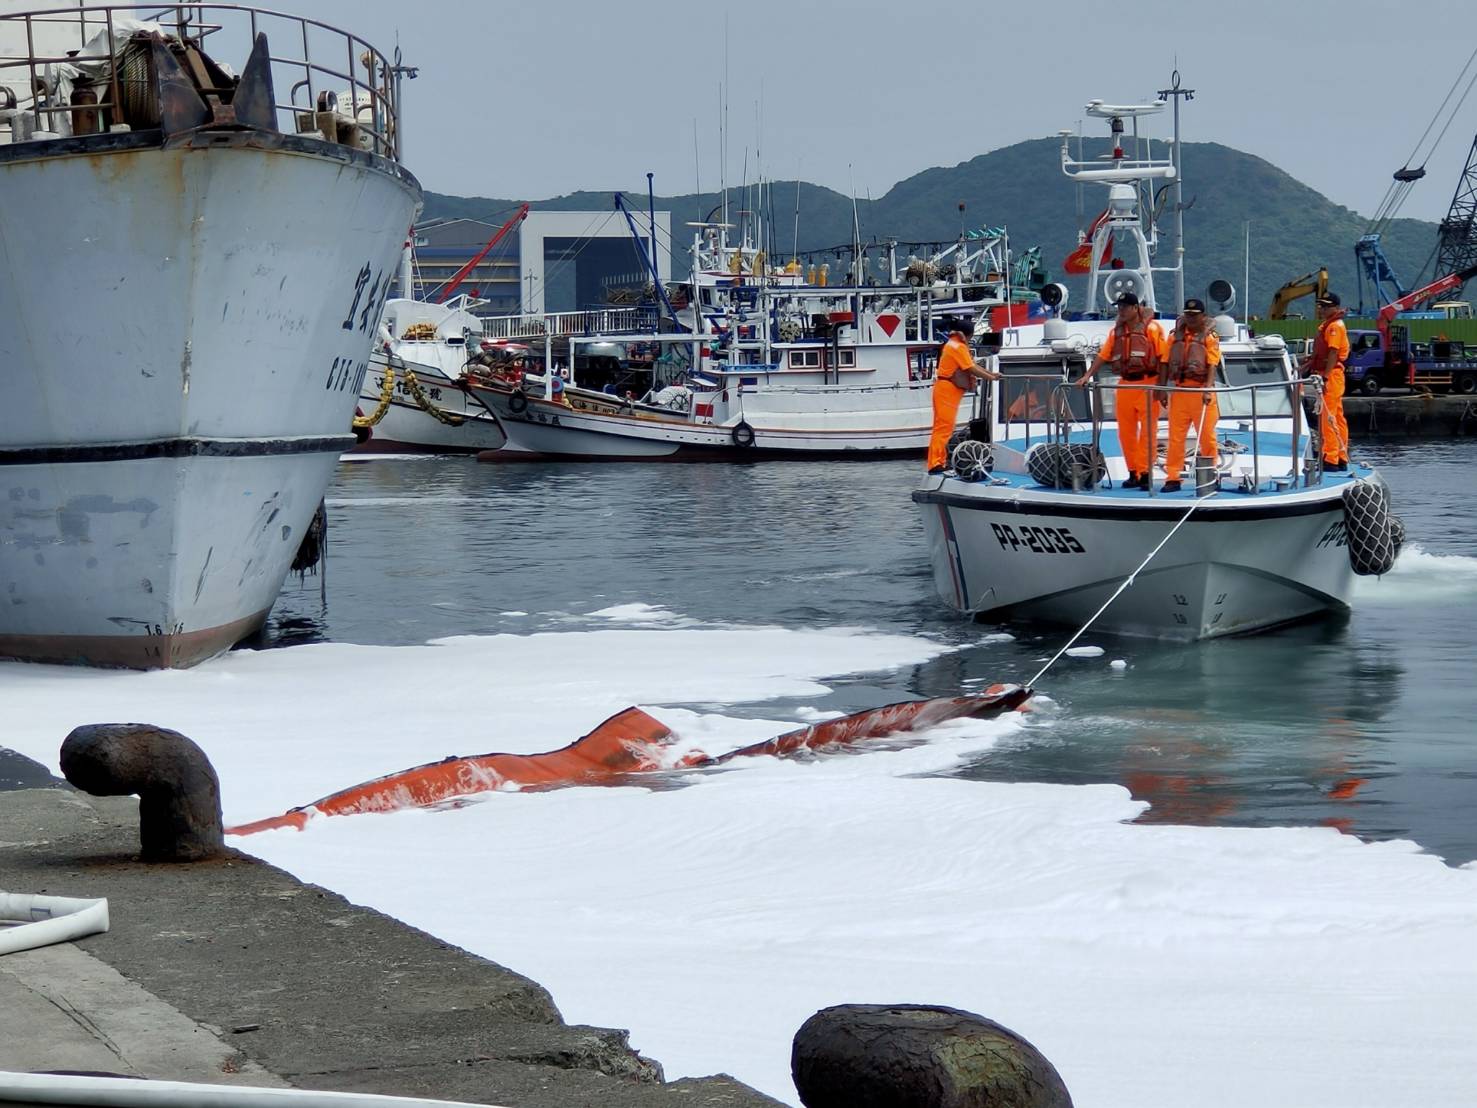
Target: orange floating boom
[[629, 742]]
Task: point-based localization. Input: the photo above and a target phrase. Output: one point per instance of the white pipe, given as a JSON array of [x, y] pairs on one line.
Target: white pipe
[[126, 1092], [48, 919]]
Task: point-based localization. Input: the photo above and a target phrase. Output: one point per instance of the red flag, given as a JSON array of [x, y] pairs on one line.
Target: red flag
[[1079, 261]]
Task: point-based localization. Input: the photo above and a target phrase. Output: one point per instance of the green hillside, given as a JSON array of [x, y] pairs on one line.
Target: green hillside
[[1293, 228]]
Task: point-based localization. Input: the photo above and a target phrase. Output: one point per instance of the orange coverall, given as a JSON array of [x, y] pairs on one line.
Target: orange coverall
[[1134, 406], [1187, 409], [954, 363], [1333, 336]]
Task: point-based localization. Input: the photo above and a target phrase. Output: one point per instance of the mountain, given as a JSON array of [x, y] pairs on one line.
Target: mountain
[[1293, 228]]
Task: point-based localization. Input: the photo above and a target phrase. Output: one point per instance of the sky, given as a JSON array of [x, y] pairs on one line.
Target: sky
[[528, 100]]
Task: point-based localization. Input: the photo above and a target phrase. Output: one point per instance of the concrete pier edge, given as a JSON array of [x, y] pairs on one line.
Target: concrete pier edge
[[233, 971]]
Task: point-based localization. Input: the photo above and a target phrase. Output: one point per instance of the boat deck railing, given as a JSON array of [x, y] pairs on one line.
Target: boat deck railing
[[1046, 400], [88, 70], [596, 321]]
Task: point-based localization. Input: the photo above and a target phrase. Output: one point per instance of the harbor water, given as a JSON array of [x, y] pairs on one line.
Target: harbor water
[[1362, 723]]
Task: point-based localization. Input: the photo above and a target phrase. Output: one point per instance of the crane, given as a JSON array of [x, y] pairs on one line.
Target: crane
[[1456, 239], [1296, 289], [1436, 288]]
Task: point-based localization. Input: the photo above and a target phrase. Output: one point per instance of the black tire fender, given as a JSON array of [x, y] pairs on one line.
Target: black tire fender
[[517, 402], [743, 435]]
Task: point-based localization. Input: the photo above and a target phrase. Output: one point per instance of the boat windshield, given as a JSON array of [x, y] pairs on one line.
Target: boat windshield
[[1032, 391], [1261, 369]]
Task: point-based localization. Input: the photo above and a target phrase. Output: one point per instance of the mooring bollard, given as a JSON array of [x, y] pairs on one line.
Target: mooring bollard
[[179, 793], [918, 1056]]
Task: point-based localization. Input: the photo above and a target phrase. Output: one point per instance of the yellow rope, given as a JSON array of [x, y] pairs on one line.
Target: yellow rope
[[387, 393], [451, 419]]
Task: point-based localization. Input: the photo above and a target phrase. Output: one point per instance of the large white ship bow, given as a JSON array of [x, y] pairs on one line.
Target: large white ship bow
[[189, 317]]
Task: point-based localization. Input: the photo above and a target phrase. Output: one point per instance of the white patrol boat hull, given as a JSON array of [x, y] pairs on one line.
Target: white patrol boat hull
[[1240, 563], [597, 427], [188, 328], [407, 427]]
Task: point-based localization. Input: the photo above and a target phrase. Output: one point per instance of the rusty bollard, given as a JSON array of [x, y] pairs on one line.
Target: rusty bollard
[[179, 794], [918, 1056]]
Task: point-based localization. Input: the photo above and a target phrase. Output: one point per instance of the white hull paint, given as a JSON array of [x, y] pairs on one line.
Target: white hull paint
[[406, 427], [179, 392], [549, 428], [1236, 566]]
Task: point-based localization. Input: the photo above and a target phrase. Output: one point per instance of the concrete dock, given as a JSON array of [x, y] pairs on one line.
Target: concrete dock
[[235, 972], [1409, 415]]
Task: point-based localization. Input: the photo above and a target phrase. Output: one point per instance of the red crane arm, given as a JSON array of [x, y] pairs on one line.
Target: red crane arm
[[461, 275], [1425, 292]]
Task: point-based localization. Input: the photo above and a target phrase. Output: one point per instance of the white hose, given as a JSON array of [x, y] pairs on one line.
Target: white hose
[[123, 1092], [44, 920]]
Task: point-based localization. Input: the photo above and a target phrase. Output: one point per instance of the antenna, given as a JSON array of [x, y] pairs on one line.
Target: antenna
[[1187, 94]]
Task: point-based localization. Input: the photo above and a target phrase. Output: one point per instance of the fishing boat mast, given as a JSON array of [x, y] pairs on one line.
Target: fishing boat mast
[[1178, 94]]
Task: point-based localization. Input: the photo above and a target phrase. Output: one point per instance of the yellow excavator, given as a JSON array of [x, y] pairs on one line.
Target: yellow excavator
[[1298, 287]]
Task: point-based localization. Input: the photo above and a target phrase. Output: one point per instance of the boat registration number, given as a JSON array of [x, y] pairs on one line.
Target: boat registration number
[[1038, 540]]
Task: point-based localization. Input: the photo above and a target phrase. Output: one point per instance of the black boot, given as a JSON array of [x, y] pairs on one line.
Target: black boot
[[1135, 481], [1170, 486]]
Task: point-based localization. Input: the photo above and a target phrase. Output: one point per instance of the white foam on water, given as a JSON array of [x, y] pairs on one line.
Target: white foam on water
[[1086, 651], [1420, 577], [1154, 965], [637, 613]]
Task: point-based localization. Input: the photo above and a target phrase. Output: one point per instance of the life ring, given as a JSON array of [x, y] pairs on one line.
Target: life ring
[[517, 402], [743, 435]]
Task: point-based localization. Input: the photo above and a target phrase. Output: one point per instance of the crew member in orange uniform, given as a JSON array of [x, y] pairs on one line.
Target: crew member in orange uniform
[[1135, 348], [1330, 350], [953, 378], [1193, 352]]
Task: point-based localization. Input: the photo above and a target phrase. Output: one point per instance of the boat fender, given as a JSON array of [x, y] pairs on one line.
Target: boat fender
[[1083, 466], [1046, 462], [1397, 533], [743, 435], [973, 460], [1371, 533], [517, 402]]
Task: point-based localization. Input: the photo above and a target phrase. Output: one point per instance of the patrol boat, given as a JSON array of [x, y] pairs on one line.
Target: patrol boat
[[1032, 521], [194, 264]]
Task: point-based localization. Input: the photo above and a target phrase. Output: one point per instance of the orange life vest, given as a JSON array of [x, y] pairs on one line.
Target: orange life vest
[[1320, 342], [1189, 360], [1135, 355]]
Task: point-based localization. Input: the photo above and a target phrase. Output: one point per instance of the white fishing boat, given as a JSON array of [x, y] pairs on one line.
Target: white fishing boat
[[750, 361], [414, 397], [1035, 522], [195, 263]]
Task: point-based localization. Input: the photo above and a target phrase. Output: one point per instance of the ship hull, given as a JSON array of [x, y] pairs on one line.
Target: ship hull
[[175, 410], [1232, 568]]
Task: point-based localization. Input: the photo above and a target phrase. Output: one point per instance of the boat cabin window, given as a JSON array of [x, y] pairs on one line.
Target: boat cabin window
[[1035, 391], [922, 363], [848, 359], [805, 359], [1266, 371]]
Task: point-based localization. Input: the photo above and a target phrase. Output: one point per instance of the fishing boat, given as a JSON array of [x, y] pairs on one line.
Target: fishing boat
[[414, 396], [1033, 521], [746, 359], [195, 263]]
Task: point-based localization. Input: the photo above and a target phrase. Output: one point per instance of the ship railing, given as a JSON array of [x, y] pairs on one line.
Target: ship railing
[[1287, 398], [77, 70], [598, 321]]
